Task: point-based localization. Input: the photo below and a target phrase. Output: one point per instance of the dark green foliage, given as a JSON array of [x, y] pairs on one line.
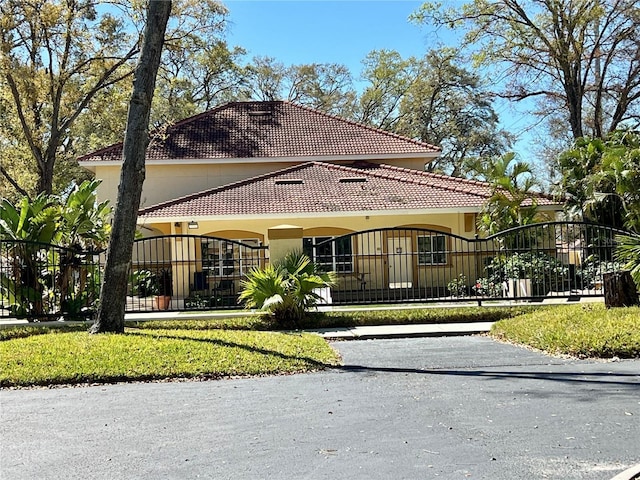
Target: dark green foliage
[[40, 279], [287, 289], [546, 272], [628, 252], [601, 179]]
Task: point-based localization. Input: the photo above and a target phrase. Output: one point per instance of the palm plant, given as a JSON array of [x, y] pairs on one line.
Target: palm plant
[[286, 289], [628, 252], [85, 222], [26, 227], [29, 228], [512, 202]]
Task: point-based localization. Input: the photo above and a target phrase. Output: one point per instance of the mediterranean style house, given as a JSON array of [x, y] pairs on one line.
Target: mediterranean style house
[[241, 169]]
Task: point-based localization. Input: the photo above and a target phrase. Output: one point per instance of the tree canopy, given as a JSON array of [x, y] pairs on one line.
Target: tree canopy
[[56, 57], [435, 100], [324, 86], [578, 59]]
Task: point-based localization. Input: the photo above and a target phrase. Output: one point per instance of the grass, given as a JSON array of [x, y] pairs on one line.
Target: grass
[[240, 346], [70, 357], [585, 331], [351, 318], [418, 315]]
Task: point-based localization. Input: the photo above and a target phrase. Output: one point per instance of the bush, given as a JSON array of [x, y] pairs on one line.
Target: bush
[[487, 288], [592, 270], [458, 286], [286, 289], [547, 273], [628, 252], [143, 283]]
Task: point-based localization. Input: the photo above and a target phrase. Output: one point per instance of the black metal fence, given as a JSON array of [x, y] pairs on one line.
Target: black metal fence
[[188, 272], [546, 260], [41, 281]]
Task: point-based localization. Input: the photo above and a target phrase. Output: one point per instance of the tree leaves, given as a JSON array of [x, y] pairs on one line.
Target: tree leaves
[[579, 59]]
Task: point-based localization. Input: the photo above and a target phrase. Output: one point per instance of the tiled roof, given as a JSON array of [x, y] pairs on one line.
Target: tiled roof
[[319, 187], [267, 130]]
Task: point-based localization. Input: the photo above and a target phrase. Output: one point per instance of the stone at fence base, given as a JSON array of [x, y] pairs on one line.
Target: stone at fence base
[[619, 289]]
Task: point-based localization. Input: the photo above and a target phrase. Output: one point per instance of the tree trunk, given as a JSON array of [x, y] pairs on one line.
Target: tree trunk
[[45, 175], [113, 293], [619, 289]]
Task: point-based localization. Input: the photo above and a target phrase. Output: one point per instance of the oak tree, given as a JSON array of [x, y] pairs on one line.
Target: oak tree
[[113, 293], [579, 59], [435, 100], [56, 57]]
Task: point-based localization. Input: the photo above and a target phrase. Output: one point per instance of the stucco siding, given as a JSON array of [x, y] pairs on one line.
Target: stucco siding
[[168, 182]]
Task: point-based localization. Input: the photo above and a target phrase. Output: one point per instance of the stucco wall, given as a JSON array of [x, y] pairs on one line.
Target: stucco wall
[[167, 182], [329, 226]]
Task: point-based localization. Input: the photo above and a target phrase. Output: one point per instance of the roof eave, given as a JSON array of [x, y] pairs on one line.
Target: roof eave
[[356, 213], [288, 215], [250, 160]]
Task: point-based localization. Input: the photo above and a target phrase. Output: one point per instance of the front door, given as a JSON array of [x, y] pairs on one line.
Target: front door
[[400, 262]]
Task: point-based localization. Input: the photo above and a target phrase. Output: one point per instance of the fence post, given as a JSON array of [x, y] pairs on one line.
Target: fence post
[[282, 240]]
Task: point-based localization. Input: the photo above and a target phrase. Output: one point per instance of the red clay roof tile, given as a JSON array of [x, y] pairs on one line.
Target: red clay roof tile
[[316, 187], [267, 130]]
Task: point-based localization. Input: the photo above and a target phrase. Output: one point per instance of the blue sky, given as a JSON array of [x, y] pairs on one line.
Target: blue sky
[[329, 31], [324, 31]]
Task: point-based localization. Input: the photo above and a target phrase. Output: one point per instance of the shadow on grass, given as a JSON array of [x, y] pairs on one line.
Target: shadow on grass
[[227, 344], [10, 333]]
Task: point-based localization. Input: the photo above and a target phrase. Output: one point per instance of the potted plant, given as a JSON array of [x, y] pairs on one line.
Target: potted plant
[[528, 274], [165, 289]]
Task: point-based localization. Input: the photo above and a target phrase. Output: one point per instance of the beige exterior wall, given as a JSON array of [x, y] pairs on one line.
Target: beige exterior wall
[[167, 182], [331, 226], [371, 255]]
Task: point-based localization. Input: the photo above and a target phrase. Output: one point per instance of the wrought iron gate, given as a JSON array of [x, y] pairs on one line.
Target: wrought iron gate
[[390, 265], [190, 272]]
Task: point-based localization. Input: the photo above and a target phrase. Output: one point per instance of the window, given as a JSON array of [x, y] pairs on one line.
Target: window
[[334, 255], [220, 258], [249, 257], [432, 250]]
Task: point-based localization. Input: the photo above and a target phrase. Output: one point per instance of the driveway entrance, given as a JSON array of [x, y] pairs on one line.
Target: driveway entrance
[[430, 408]]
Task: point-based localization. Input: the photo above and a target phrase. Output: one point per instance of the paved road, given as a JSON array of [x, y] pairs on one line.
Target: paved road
[[450, 408]]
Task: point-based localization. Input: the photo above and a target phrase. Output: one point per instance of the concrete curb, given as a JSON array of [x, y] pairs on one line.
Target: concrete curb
[[403, 331], [629, 474]]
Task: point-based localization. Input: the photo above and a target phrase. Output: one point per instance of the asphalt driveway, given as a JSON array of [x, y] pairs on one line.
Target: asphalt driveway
[[451, 408]]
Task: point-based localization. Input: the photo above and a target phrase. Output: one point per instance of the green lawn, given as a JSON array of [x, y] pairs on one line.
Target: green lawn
[[356, 318], [216, 348], [63, 357], [577, 330]]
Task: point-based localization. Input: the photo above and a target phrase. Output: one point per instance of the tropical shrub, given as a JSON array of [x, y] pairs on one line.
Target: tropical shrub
[[513, 201], [143, 283], [600, 178], [37, 279], [458, 286], [627, 252], [287, 290], [487, 288], [590, 272]]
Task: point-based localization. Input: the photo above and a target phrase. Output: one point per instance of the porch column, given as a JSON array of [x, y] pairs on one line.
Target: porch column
[[183, 255], [283, 239]]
